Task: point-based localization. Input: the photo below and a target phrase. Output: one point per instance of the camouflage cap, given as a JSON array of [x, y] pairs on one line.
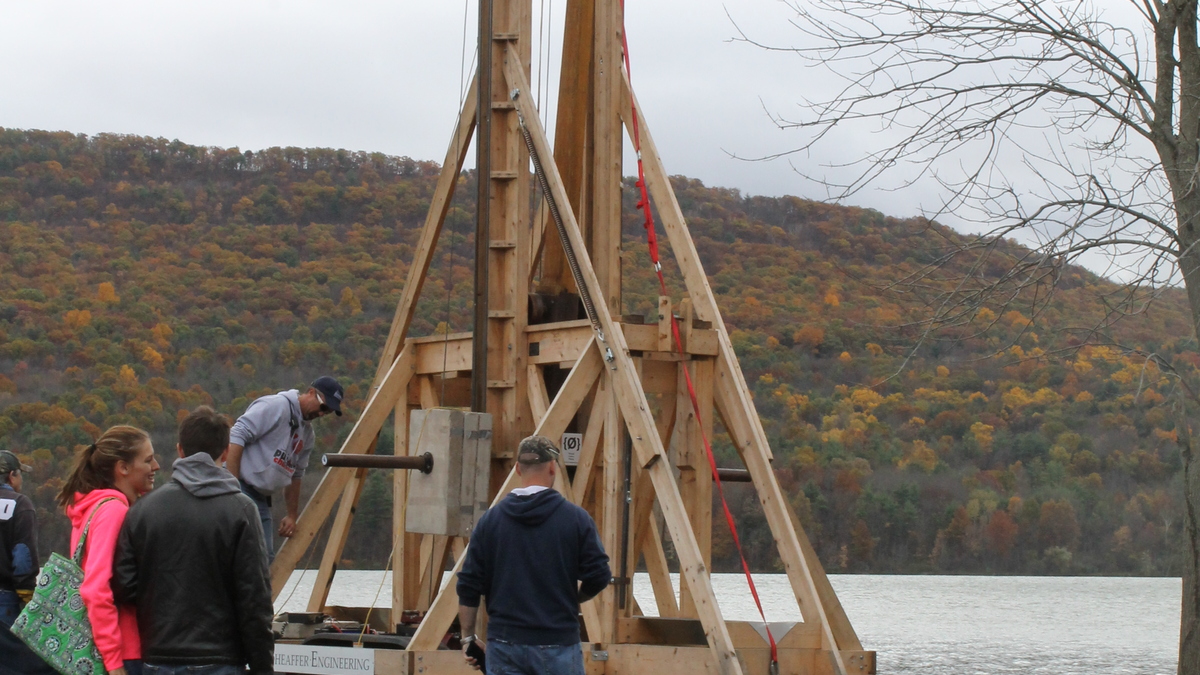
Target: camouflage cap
[[9, 463], [536, 450]]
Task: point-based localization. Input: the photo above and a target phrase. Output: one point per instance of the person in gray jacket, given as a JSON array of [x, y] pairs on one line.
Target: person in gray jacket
[[270, 444], [190, 557]]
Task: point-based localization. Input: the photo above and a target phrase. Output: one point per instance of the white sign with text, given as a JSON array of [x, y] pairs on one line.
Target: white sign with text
[[571, 444], [313, 660]]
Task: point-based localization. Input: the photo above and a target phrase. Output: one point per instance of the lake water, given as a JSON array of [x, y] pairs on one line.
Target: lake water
[[938, 625]]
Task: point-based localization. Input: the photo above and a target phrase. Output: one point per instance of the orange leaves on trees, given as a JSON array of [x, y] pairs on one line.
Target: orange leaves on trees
[[809, 337], [162, 335], [107, 294], [78, 318]]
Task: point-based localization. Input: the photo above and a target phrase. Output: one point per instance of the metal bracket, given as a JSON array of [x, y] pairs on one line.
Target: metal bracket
[[599, 654]]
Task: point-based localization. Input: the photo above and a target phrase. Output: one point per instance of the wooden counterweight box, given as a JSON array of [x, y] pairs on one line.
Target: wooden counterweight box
[[449, 499]]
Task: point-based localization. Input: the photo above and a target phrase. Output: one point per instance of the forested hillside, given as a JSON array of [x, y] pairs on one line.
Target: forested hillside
[[141, 277]]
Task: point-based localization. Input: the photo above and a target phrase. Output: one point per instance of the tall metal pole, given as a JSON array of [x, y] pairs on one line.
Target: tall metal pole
[[483, 175]]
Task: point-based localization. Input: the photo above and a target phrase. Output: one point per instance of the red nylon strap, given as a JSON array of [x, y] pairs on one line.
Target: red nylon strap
[[652, 243]]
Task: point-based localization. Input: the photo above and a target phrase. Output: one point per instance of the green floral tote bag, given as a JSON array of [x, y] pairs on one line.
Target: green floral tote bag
[[55, 624]]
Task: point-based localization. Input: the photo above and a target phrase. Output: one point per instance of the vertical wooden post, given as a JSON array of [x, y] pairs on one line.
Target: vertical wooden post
[[610, 501], [483, 172], [401, 540], [572, 136], [507, 198], [605, 244], [695, 475]]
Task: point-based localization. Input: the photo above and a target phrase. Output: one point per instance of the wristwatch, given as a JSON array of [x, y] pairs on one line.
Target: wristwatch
[[469, 639]]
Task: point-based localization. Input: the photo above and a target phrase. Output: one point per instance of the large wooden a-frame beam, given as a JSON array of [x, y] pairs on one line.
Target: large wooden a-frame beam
[[616, 382]]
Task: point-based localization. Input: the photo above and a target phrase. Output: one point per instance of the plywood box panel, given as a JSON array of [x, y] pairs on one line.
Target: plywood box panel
[[444, 501]]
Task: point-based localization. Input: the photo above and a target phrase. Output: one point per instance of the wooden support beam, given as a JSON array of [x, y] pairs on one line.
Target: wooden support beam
[[334, 481], [670, 214], [839, 623], [666, 341], [733, 399], [704, 302], [507, 202], [695, 475], [739, 418], [634, 407], [429, 398], [564, 406], [572, 394], [643, 521], [362, 437], [336, 542], [611, 499], [438, 207], [537, 238], [587, 454], [403, 544], [605, 245], [434, 548], [573, 146], [539, 398]]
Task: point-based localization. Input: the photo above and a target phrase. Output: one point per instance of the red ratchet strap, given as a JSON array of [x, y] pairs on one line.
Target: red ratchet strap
[[652, 243]]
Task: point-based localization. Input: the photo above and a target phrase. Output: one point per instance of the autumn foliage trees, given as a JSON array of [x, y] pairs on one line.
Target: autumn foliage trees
[[141, 277]]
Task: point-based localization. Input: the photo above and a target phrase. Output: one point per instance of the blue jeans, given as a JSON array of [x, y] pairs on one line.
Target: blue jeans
[[216, 669], [10, 607], [264, 514], [506, 658]]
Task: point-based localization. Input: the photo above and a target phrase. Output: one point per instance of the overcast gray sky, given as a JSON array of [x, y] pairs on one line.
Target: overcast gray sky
[[385, 76]]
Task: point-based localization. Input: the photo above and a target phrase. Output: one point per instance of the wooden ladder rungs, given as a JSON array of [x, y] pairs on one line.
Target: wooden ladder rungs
[[504, 175], [501, 384], [502, 313], [502, 243], [503, 37], [503, 105]]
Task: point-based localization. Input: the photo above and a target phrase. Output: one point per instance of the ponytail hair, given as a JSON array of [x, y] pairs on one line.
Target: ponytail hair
[[97, 462]]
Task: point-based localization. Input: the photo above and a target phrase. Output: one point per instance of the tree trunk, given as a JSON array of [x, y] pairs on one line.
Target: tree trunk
[[1189, 625]]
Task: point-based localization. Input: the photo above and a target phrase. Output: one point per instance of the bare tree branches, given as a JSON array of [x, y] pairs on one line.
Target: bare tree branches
[[1072, 127]]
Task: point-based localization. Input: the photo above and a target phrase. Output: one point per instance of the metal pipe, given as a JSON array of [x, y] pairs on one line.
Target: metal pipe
[[422, 463], [734, 475], [483, 175]]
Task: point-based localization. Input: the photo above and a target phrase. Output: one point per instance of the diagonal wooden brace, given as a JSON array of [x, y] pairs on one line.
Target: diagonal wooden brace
[[630, 397], [316, 511]]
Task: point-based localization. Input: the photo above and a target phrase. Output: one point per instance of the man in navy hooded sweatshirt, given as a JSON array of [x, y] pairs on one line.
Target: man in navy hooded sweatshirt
[[534, 557]]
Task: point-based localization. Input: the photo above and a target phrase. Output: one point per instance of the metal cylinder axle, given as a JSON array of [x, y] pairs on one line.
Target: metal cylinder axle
[[422, 463]]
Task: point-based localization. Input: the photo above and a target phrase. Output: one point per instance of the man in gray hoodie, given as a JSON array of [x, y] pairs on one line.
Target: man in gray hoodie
[[191, 558], [270, 444]]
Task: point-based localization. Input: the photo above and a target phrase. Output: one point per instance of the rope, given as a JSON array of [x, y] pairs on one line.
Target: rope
[[462, 95], [307, 560], [652, 243], [382, 580]]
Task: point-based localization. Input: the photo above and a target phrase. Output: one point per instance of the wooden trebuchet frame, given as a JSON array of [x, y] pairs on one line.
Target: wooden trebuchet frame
[[642, 471]]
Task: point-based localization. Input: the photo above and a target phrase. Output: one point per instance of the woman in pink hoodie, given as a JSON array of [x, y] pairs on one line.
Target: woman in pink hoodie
[[118, 467]]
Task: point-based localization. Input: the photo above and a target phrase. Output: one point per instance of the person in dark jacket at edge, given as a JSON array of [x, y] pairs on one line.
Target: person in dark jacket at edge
[[18, 540], [534, 558], [18, 566], [191, 556]]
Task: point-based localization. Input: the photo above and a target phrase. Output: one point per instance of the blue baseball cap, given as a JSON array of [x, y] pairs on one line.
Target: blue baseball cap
[[331, 391]]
